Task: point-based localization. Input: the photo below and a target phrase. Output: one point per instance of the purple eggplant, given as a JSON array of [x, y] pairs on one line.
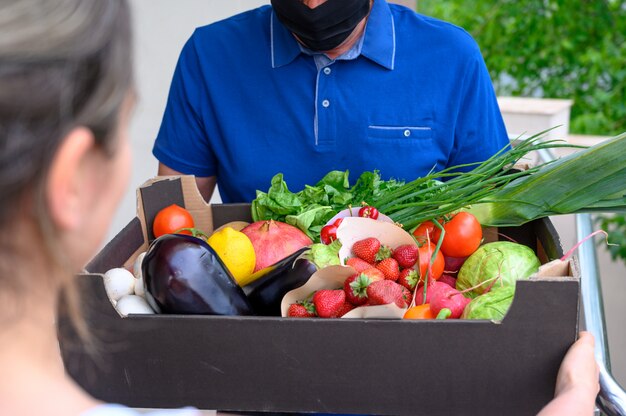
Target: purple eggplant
[[266, 293], [182, 274]]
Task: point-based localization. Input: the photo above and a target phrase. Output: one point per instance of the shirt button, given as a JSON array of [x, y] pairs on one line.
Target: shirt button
[[327, 70], [407, 133], [325, 103]]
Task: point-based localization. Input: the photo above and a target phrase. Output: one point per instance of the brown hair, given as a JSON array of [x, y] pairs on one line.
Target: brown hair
[[63, 64]]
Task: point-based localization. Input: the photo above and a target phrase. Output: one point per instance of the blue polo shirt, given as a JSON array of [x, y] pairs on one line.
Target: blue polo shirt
[[247, 102]]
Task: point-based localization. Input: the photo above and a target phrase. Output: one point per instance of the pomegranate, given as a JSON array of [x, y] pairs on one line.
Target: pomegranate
[[274, 240]]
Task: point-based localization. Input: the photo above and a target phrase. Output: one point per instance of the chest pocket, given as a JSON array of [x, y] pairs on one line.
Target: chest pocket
[[400, 135]]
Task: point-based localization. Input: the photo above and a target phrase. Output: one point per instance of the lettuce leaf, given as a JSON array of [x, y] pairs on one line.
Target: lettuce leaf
[[310, 208], [323, 255]]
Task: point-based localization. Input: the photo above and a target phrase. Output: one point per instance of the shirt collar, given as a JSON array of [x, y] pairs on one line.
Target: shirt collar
[[379, 42]]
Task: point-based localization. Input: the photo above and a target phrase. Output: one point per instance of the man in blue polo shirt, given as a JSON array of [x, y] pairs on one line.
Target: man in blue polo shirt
[[305, 87]]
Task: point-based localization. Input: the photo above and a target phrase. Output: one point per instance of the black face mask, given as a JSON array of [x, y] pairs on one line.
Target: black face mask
[[324, 27]]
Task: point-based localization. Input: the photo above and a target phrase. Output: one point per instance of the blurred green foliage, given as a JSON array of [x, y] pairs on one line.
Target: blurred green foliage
[[615, 226], [574, 49], [553, 49]]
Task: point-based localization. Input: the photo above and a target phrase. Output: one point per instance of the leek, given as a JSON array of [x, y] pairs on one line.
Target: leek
[[593, 179]]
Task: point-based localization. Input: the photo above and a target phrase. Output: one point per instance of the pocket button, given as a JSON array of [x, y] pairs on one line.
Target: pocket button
[[407, 133]]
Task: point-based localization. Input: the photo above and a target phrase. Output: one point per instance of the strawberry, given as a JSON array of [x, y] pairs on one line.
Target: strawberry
[[390, 268], [366, 249], [355, 287], [384, 292], [406, 255], [345, 308], [408, 278], [328, 302], [302, 309], [358, 264], [374, 274], [407, 295], [383, 253]]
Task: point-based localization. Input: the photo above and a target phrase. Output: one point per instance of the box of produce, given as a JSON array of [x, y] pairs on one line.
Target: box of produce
[[213, 330]]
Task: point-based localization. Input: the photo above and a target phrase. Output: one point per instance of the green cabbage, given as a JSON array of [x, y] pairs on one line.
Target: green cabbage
[[492, 305], [496, 264]]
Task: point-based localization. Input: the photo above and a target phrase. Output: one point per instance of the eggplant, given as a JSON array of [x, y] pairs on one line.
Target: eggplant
[[182, 274], [265, 294]]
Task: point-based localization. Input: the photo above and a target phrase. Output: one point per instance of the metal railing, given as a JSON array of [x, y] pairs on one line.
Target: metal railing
[[612, 398]]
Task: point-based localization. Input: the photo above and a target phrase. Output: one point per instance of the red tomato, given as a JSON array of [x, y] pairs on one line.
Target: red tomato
[[171, 219], [368, 212], [425, 254], [463, 235], [328, 233], [427, 228]]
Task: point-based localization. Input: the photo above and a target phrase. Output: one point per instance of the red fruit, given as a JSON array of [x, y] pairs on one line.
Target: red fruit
[[384, 292], [328, 302], [425, 232], [355, 287], [447, 279], [171, 219], [374, 274], [425, 254], [408, 278], [463, 235], [345, 308], [274, 240], [328, 234], [406, 255], [366, 249], [368, 212], [407, 295], [358, 264], [390, 268], [301, 310]]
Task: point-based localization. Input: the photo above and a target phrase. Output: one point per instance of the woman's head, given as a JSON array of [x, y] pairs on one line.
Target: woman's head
[[65, 82]]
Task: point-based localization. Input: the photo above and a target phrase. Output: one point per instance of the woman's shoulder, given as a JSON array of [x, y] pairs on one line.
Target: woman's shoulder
[[119, 410]]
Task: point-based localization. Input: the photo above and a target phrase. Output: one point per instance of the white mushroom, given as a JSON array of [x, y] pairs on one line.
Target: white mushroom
[[137, 265], [119, 282], [139, 289], [133, 304]]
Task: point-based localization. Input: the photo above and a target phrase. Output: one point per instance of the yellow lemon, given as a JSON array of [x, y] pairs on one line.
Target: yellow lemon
[[235, 249]]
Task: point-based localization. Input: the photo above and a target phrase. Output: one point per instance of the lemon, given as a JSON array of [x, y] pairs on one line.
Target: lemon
[[236, 251]]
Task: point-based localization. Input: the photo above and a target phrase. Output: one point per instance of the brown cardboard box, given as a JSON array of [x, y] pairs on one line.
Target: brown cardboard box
[[272, 364]]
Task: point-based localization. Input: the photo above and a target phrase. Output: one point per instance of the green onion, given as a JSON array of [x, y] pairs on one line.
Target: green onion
[[591, 179]]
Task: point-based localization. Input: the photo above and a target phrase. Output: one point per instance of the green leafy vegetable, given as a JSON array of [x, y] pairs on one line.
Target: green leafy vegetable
[[323, 255], [312, 207], [492, 305], [500, 263]]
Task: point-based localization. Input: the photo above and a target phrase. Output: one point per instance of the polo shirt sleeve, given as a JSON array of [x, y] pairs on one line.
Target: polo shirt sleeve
[[479, 131], [182, 143]]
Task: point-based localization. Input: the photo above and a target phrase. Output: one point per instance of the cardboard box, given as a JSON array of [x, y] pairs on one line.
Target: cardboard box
[[273, 364]]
